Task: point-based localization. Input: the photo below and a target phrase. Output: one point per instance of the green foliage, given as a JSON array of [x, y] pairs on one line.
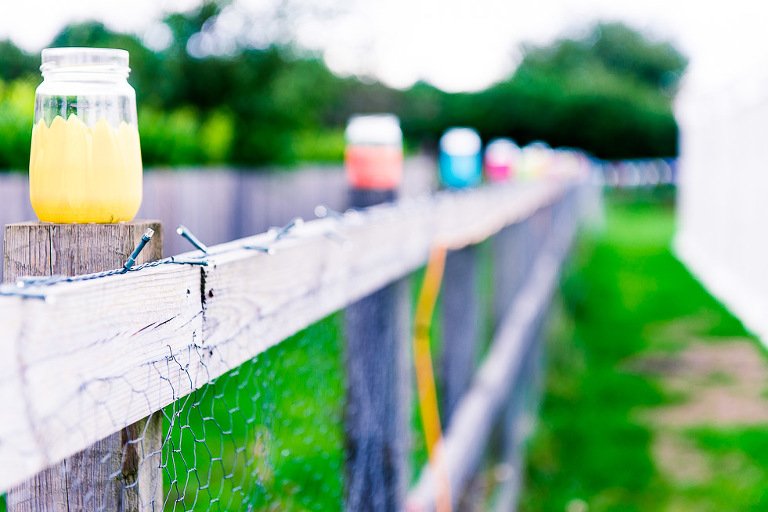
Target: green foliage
[[608, 92], [617, 49], [319, 146], [272, 426], [625, 295], [658, 64], [14, 63], [169, 137], [180, 137], [216, 135], [17, 101]]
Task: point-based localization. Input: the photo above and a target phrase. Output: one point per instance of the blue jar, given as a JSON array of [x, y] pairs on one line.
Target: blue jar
[[460, 160]]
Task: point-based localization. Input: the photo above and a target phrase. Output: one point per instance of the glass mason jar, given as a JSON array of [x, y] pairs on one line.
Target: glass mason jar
[[501, 156], [374, 153], [460, 164], [85, 162]]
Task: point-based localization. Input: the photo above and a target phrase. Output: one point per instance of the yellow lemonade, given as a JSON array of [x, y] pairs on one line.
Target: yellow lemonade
[[82, 174]]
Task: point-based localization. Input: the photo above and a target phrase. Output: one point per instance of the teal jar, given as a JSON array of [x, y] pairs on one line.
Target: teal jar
[[460, 159]]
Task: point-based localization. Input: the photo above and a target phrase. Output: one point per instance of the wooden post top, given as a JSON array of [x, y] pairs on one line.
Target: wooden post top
[[41, 248], [85, 480], [37, 223]]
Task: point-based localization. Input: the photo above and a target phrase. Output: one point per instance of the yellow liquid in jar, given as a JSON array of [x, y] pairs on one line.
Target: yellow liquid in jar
[[81, 174]]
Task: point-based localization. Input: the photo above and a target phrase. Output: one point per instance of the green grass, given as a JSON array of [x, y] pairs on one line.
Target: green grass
[[625, 294], [740, 453], [267, 435]]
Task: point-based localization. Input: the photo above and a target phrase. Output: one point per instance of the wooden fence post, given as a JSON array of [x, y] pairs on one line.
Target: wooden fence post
[[460, 327], [377, 413], [508, 268], [122, 471], [460, 168], [525, 399]]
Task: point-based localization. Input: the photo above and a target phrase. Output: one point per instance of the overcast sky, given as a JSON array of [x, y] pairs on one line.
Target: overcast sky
[[454, 44]]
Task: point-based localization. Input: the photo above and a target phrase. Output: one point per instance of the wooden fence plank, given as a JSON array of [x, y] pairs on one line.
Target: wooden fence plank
[[460, 451], [87, 479], [460, 327], [88, 364], [220, 204], [99, 355], [378, 389]]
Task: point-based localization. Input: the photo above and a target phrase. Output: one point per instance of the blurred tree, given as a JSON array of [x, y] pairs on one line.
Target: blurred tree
[[14, 63], [623, 50], [147, 73], [608, 92], [17, 101], [423, 108], [618, 49]]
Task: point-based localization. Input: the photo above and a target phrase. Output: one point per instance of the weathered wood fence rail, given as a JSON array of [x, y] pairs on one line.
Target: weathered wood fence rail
[[512, 353], [219, 205], [83, 360]]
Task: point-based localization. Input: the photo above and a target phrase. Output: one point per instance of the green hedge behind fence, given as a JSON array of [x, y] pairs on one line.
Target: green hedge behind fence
[[182, 136]]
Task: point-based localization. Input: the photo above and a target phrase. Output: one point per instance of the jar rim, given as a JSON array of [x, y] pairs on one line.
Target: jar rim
[[461, 141], [84, 59], [374, 129]]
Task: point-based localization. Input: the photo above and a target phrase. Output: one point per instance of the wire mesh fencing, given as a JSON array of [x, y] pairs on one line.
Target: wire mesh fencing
[[266, 435], [278, 431]]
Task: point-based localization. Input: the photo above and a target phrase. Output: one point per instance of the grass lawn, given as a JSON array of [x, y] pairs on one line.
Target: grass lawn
[[265, 436], [655, 393]]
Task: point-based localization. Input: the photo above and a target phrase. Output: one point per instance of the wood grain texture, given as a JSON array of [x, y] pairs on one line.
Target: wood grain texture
[[97, 356], [86, 480]]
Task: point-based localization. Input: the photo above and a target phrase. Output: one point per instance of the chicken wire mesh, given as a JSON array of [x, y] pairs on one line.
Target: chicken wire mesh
[[266, 435], [269, 434]]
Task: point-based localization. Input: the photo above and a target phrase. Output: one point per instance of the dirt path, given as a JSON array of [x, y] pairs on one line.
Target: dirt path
[[721, 384]]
